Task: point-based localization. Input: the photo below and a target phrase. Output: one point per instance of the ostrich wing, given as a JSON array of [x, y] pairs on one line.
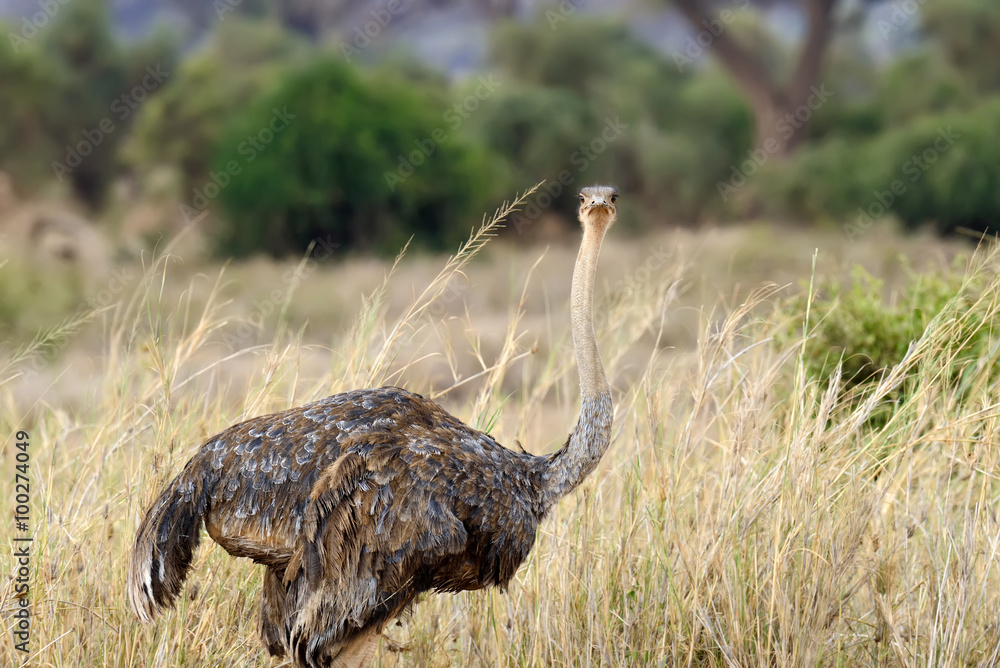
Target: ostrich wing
[[378, 530], [275, 482]]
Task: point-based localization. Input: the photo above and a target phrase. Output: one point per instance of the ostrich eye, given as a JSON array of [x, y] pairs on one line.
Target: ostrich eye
[[582, 199], [614, 198]]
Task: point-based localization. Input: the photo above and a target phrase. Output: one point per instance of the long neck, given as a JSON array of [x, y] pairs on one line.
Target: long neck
[[589, 440]]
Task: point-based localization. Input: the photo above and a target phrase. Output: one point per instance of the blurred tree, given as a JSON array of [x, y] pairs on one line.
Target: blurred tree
[[969, 33], [675, 133], [772, 100], [88, 72], [73, 90], [180, 128], [854, 74], [940, 169], [536, 130], [320, 20], [332, 158], [711, 131], [918, 83], [27, 87], [583, 55]]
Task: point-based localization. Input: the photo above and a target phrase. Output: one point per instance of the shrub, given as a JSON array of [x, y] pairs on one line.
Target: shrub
[[856, 324], [683, 128], [181, 126], [712, 133], [536, 131], [361, 163], [584, 56], [820, 181], [943, 169], [919, 84], [969, 33], [27, 86]]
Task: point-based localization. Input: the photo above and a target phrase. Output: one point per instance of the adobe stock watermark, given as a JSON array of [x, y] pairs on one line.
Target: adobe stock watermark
[[278, 298], [581, 158], [697, 44], [426, 147], [33, 24], [362, 36], [914, 169], [902, 13], [453, 291], [785, 127], [223, 7], [249, 148], [656, 260], [562, 12], [122, 107], [630, 283]]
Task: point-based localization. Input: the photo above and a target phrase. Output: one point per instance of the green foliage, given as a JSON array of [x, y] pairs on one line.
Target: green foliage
[[65, 87], [580, 56], [818, 182], [961, 189], [712, 131], [580, 94], [92, 72], [937, 169], [918, 84], [180, 128], [857, 325], [680, 134], [969, 33], [561, 90], [852, 76], [26, 87], [340, 169], [537, 131]]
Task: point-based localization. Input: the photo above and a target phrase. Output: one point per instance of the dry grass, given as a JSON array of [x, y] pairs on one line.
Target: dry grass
[[744, 516]]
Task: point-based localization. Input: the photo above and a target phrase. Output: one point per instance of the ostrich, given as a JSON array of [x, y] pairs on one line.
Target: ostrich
[[357, 503]]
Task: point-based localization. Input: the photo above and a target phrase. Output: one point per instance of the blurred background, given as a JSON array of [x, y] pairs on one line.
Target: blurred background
[[412, 117], [263, 130]]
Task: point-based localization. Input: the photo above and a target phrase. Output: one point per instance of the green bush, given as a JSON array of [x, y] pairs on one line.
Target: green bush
[[361, 163], [27, 85], [950, 167], [942, 169], [682, 128], [584, 56], [712, 131], [969, 33], [820, 182], [537, 132], [588, 84], [920, 84], [181, 126], [856, 324]]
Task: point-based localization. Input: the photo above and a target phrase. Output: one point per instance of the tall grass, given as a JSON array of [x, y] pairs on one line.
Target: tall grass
[[746, 514]]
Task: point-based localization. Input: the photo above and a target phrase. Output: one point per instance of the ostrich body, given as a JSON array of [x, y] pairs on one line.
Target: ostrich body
[[357, 503]]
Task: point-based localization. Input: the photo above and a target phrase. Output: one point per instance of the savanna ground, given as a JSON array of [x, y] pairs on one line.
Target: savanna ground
[[746, 514]]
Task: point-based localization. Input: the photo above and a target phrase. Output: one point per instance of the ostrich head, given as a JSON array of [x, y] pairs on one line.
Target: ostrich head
[[597, 207]]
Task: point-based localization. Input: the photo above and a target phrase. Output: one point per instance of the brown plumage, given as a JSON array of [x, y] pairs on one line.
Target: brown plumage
[[357, 503]]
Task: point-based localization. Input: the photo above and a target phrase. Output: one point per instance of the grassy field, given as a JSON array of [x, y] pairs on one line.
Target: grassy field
[[746, 514]]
